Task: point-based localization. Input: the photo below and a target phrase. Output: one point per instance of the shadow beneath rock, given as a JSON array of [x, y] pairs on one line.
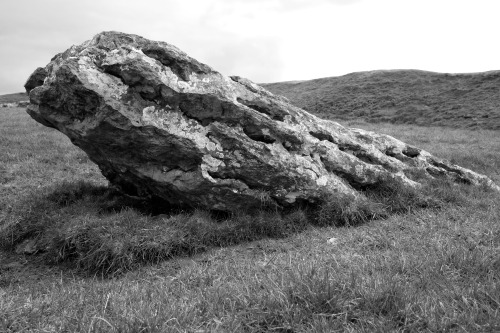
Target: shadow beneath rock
[[30, 271], [98, 231], [109, 199]]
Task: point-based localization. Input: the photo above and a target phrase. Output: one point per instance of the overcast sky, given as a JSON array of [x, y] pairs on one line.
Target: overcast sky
[[264, 40]]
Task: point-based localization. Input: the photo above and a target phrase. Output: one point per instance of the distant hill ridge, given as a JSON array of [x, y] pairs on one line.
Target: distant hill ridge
[[14, 98], [468, 100]]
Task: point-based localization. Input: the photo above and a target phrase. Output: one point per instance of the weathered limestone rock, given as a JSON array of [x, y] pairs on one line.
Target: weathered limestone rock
[[158, 122]]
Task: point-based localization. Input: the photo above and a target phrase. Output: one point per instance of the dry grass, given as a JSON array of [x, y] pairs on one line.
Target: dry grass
[[414, 270]]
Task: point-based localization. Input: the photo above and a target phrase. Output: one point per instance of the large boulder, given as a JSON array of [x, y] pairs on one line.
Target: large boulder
[[159, 123]]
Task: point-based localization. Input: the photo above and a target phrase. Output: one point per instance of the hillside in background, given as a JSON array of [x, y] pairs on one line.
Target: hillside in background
[[14, 98], [401, 97]]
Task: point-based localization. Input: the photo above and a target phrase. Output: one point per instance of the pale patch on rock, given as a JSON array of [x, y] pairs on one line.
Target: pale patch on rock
[[322, 181]]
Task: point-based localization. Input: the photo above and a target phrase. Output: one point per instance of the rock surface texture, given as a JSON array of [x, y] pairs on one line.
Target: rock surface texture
[[159, 123]]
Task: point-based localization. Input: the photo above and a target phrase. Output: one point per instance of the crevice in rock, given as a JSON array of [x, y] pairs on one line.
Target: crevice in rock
[[180, 67], [365, 158], [443, 166], [323, 137], [245, 82], [344, 175], [391, 154], [398, 156], [360, 154], [411, 152], [264, 109], [443, 170], [266, 199], [237, 178], [216, 175], [255, 133], [135, 81], [113, 70], [346, 149], [288, 146], [206, 109], [202, 121], [189, 166], [435, 172], [352, 150]]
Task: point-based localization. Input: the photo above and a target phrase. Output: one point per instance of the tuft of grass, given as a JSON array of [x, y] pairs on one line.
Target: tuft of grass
[[348, 211], [388, 198]]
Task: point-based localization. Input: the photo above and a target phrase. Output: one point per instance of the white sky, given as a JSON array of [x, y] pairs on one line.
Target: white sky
[[264, 40]]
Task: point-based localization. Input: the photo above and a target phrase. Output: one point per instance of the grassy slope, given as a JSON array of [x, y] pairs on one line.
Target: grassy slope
[[402, 97], [12, 98], [427, 270]]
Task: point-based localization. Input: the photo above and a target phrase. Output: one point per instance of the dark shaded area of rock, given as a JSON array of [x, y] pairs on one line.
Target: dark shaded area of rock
[[36, 79], [159, 123]]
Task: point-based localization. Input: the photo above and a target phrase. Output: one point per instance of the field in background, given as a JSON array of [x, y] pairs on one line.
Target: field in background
[[13, 98], [425, 270]]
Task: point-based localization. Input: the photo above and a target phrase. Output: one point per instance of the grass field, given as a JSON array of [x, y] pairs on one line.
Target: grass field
[[107, 263]]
